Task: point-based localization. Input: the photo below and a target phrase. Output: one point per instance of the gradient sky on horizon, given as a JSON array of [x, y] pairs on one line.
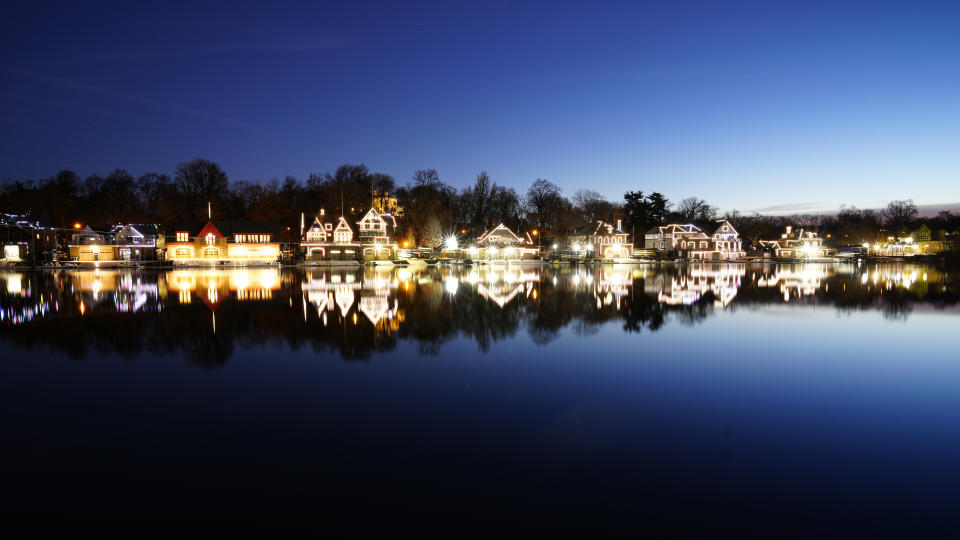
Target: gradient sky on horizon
[[755, 106]]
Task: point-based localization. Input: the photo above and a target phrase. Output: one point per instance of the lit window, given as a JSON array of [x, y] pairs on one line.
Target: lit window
[[183, 237]]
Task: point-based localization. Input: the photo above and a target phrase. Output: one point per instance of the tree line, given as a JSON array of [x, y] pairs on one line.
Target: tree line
[[432, 208]]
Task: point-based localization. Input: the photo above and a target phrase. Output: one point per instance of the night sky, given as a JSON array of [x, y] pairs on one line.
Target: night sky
[[755, 106]]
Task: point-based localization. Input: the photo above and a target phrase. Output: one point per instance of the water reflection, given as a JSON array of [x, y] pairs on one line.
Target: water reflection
[[204, 314]]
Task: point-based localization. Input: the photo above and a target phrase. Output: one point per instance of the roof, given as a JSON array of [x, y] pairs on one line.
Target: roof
[[343, 222], [500, 227], [610, 229], [226, 228]]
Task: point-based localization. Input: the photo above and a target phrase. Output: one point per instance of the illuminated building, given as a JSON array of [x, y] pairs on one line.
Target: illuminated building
[[723, 245], [602, 239], [375, 232], [383, 203], [124, 243], [798, 244], [500, 243], [668, 237], [370, 239], [233, 243]]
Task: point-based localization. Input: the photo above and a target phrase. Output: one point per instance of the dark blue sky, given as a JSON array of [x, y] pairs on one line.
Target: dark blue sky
[[749, 105]]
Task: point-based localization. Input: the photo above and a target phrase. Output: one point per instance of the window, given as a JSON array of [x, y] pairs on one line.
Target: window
[[183, 237], [182, 253]]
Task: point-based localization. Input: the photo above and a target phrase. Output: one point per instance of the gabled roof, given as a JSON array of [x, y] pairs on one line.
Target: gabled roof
[[500, 227], [608, 228], [130, 231], [226, 228], [87, 230], [210, 228], [342, 223], [721, 223], [375, 214], [678, 228]]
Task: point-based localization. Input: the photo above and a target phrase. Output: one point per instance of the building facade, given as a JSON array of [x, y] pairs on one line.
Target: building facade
[[668, 237], [502, 243], [235, 243], [797, 244], [723, 245]]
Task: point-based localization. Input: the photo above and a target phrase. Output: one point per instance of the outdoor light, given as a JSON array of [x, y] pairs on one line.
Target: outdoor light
[[451, 242], [576, 247], [76, 225], [589, 247], [555, 246]]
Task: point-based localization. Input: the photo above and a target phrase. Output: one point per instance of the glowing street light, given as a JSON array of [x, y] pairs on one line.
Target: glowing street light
[[76, 225], [451, 242]]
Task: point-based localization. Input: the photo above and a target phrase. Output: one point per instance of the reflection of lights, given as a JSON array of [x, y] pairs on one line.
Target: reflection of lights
[[403, 274], [451, 284]]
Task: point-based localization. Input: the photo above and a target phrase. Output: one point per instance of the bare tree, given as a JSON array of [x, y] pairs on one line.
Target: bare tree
[[540, 197], [899, 214], [696, 210]]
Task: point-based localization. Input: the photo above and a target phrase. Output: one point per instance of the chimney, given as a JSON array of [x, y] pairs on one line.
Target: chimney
[[789, 228], [322, 212], [619, 226]]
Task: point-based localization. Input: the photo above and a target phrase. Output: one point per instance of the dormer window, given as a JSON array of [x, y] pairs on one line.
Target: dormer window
[[210, 239], [183, 237]]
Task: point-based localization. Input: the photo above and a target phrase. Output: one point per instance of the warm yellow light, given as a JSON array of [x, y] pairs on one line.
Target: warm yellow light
[[76, 225], [406, 244], [534, 232]]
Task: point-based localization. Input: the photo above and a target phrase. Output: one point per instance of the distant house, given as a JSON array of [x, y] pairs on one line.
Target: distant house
[[502, 243], [668, 237], [797, 244], [383, 203], [224, 242], [723, 245]]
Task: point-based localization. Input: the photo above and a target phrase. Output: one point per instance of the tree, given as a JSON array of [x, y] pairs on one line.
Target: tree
[[426, 177], [637, 209], [696, 210], [899, 214], [592, 206], [542, 196], [659, 208], [200, 181]]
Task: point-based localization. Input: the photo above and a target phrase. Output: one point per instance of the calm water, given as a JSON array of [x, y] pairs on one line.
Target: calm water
[[696, 397]]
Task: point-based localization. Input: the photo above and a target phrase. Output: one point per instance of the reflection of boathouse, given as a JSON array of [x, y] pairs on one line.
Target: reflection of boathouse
[[500, 285], [337, 292], [213, 286], [723, 281], [799, 281]]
